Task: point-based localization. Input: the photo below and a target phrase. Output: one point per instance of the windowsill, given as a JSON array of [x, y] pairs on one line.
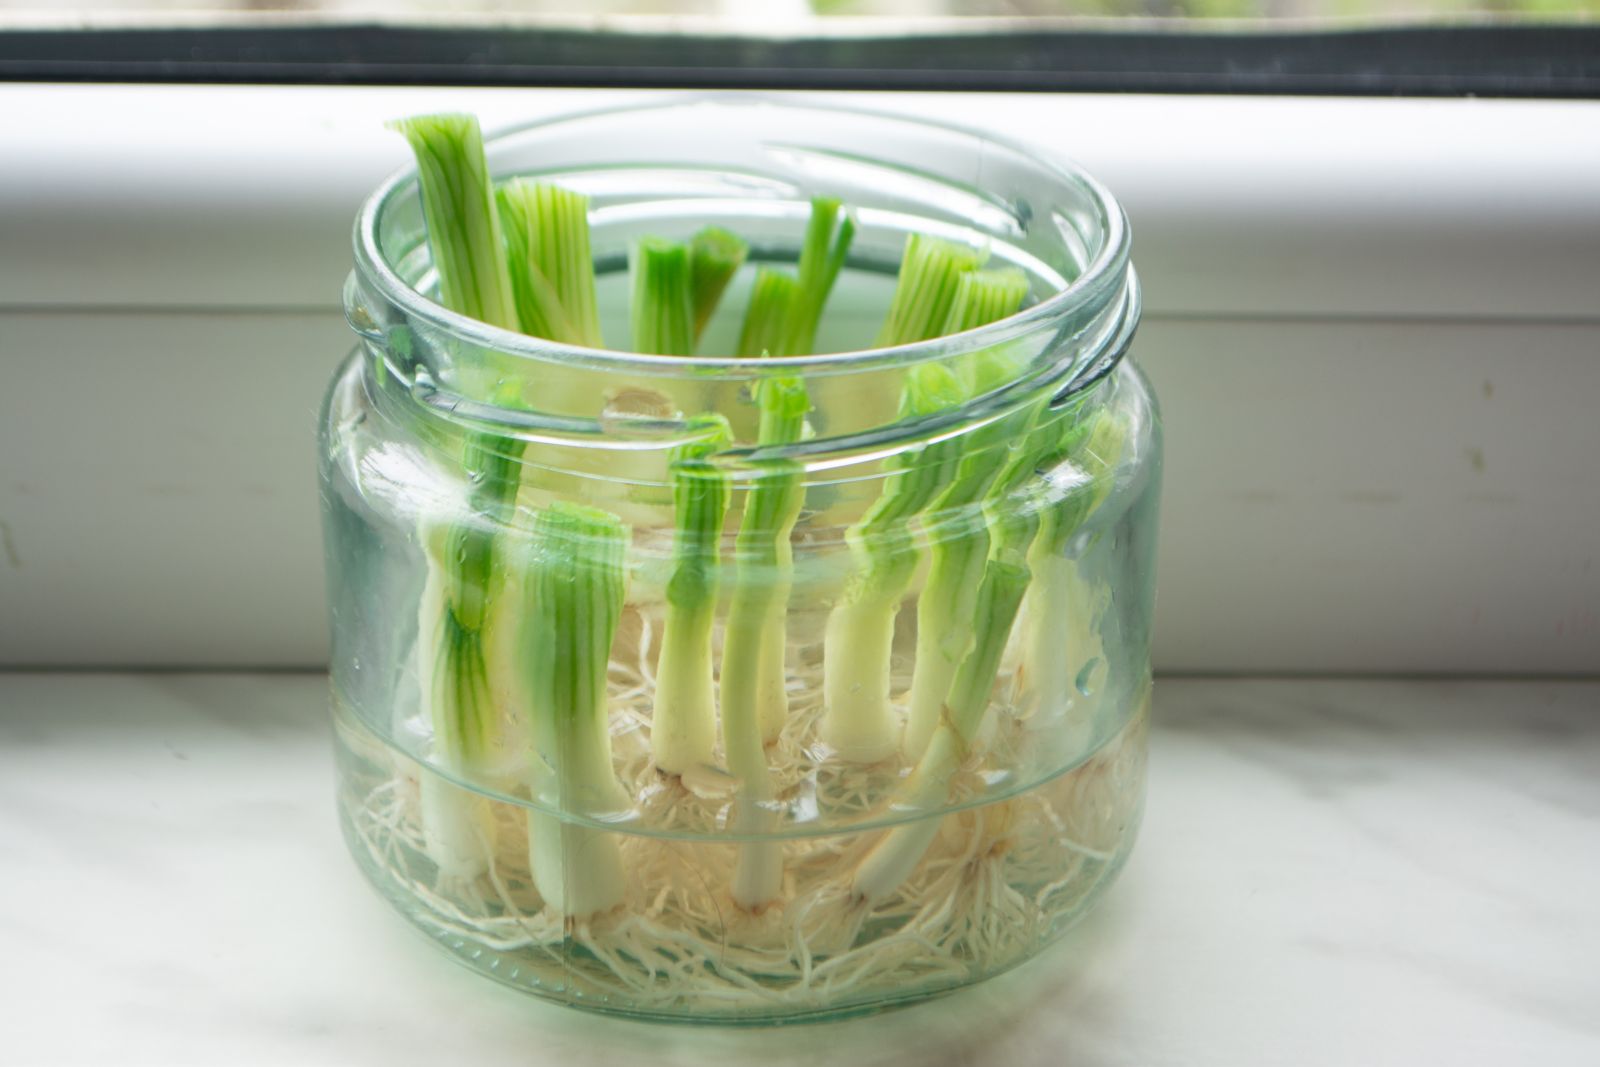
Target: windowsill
[[1330, 872], [242, 196], [1371, 323]]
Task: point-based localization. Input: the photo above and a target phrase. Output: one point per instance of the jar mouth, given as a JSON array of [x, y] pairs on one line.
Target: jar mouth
[[1103, 288]]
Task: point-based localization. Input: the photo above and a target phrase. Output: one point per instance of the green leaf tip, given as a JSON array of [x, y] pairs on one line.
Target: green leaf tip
[[784, 310], [458, 207], [552, 267], [715, 256], [829, 234], [930, 276], [772, 302], [663, 299], [985, 296]]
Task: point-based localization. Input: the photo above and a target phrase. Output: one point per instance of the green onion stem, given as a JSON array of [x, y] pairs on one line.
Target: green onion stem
[[753, 644], [1014, 522], [715, 256], [925, 291], [858, 722], [781, 320], [772, 300], [576, 591], [457, 664], [938, 290], [552, 267], [958, 530], [663, 298], [683, 725], [898, 852], [458, 208], [829, 233]]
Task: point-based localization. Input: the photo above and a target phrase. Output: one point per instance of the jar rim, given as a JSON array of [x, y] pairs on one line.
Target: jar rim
[[1106, 273]]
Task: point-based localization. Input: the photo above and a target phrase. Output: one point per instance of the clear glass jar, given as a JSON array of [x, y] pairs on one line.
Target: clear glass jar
[[947, 768]]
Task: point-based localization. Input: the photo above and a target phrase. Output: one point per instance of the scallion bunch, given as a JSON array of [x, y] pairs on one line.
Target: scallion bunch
[[523, 602]]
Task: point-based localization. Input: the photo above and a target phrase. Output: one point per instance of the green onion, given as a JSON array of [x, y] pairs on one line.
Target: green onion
[[858, 722], [576, 590], [766, 320], [663, 298], [985, 296], [925, 292], [552, 268], [458, 207], [899, 851], [528, 229], [946, 610], [683, 725], [457, 660], [938, 287], [754, 702], [715, 256], [781, 320], [829, 234], [1005, 577]]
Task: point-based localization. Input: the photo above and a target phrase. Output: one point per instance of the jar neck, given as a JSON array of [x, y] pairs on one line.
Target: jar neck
[[1051, 223], [445, 384]]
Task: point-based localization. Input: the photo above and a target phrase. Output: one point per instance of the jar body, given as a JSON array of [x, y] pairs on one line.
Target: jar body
[[887, 846]]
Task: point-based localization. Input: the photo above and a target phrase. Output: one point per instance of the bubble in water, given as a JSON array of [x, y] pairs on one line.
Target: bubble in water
[[1088, 677]]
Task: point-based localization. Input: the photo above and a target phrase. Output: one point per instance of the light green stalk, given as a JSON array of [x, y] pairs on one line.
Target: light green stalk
[[858, 722], [829, 233], [947, 608], [552, 266], [753, 643], [985, 296], [925, 291], [781, 320], [1014, 521], [683, 726], [715, 256], [897, 854], [772, 302], [458, 207], [663, 298], [460, 675], [1060, 636], [938, 284], [577, 584]]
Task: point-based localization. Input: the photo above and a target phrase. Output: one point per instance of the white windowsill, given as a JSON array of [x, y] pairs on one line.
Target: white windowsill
[[1372, 324], [1329, 873], [242, 196]]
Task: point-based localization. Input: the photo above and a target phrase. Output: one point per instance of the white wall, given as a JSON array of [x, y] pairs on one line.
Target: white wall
[[1372, 325]]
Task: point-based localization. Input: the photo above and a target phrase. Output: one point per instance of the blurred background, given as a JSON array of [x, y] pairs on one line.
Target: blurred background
[[1369, 235], [1156, 9]]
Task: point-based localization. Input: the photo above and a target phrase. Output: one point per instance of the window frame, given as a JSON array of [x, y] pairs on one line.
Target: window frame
[[1548, 60]]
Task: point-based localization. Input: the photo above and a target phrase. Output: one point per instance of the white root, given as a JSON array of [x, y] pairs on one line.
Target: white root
[[995, 881]]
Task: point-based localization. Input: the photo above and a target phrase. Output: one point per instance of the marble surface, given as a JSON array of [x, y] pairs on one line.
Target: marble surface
[[1331, 872]]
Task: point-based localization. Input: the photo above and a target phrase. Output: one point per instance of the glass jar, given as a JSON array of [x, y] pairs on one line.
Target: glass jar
[[914, 745]]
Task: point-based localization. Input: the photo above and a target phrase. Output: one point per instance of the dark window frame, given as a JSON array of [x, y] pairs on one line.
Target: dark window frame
[[1561, 61]]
